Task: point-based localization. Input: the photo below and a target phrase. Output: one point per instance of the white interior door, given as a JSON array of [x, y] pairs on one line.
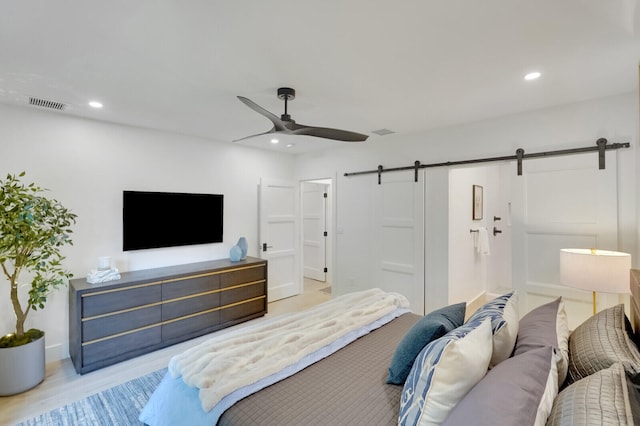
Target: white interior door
[[398, 222], [561, 202], [279, 237], [314, 230]]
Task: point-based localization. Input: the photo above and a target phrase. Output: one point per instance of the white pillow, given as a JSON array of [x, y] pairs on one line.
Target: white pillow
[[504, 315], [444, 371]]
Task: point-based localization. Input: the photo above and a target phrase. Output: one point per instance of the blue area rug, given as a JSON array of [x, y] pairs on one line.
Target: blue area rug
[[119, 405]]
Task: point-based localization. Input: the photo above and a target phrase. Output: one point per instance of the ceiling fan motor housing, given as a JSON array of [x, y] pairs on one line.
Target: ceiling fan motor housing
[[286, 93]]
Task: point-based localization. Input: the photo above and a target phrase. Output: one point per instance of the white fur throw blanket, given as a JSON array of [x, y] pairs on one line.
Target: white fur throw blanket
[[228, 362]]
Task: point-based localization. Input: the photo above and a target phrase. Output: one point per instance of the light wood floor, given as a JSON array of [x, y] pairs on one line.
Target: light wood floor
[[63, 385]]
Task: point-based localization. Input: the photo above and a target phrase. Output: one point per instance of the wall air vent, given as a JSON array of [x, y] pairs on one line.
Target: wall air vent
[[46, 103]]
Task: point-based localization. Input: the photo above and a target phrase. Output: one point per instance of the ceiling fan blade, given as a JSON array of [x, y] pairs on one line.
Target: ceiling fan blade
[[273, 130], [286, 125], [327, 133], [278, 124]]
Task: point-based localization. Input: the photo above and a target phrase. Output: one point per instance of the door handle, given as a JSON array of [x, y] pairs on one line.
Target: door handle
[[265, 246]]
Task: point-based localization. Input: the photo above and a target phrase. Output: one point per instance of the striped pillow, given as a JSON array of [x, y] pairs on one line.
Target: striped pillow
[[607, 397], [443, 373], [601, 341], [503, 312]]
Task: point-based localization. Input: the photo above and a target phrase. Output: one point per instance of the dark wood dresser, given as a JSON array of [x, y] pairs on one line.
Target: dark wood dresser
[[154, 308]]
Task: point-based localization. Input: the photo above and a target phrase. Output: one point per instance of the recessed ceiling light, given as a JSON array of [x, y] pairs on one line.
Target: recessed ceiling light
[[532, 75], [274, 141], [290, 145], [95, 104]]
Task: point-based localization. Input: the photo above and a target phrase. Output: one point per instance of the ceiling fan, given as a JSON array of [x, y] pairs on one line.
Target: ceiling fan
[[286, 125]]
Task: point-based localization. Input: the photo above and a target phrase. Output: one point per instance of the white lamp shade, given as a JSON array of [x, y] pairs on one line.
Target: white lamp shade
[[595, 270]]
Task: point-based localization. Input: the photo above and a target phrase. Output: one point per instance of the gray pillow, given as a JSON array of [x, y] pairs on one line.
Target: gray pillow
[[604, 398], [599, 342], [518, 391], [430, 327], [546, 325]]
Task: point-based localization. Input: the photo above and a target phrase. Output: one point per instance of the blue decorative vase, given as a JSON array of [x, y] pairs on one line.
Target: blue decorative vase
[[242, 243], [235, 254]]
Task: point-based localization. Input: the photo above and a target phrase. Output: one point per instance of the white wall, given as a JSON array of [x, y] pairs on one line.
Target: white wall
[[563, 127], [87, 164]]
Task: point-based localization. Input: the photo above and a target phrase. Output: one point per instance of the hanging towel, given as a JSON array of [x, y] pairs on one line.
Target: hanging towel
[[483, 241]]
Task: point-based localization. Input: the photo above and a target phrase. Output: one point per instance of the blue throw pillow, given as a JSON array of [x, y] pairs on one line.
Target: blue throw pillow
[[430, 327]]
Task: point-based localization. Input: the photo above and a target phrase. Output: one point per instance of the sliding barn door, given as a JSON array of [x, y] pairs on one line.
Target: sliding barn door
[[560, 202], [398, 243]]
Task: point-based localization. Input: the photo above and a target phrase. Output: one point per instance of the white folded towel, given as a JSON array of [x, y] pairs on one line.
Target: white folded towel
[[102, 275]]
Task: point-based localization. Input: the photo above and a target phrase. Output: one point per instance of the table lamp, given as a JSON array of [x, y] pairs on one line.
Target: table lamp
[[595, 270]]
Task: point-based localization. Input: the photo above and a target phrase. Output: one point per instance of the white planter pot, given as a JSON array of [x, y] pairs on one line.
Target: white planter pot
[[22, 367]]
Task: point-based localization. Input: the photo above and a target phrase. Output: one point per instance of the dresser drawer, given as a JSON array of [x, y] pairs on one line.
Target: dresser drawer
[[117, 346], [113, 324], [188, 286], [179, 308], [238, 294], [243, 310], [100, 303], [193, 326], [242, 276]]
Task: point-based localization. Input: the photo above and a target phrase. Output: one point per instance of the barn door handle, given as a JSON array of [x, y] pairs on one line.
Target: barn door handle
[[265, 246]]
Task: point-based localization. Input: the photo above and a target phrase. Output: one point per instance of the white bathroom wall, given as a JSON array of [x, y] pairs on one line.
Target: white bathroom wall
[[471, 273]]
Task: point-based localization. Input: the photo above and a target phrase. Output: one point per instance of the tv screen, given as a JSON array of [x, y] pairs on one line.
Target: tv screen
[[169, 219]]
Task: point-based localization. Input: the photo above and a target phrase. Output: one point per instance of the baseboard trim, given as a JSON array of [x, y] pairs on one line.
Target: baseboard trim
[[55, 353]]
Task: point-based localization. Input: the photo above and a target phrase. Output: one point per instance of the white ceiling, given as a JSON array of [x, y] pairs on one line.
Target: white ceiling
[[359, 65]]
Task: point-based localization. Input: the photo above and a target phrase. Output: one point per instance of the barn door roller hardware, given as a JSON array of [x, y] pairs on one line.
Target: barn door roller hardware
[[601, 146]]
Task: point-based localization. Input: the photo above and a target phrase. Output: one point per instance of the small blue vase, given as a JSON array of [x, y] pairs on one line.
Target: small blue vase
[[235, 254], [242, 243]]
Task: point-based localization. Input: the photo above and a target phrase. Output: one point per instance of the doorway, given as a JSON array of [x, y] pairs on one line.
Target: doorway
[[479, 270], [317, 238]]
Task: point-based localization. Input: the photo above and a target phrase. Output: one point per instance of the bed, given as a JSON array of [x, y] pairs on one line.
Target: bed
[[369, 360]]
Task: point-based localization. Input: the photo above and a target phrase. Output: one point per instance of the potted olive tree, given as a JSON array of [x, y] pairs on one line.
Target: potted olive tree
[[33, 229]]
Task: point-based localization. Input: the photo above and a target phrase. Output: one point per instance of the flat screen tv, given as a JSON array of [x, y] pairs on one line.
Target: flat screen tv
[[170, 219]]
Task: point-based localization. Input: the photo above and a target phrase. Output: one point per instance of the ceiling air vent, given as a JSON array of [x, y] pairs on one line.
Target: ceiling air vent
[[383, 132], [46, 104]]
